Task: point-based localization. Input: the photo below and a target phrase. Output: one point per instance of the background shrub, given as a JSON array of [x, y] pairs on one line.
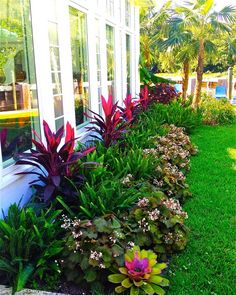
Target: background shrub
[[163, 93], [216, 112]]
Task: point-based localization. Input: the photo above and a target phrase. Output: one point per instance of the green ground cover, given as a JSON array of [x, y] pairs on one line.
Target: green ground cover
[[208, 265]]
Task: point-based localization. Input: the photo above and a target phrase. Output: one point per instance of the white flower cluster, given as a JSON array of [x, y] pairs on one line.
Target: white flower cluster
[[127, 180], [98, 257], [154, 214], [175, 207], [143, 202], [143, 224], [130, 245], [66, 222], [95, 255]]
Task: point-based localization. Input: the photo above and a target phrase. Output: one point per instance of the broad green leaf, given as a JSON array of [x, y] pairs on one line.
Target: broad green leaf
[[120, 289], [148, 289], [164, 282], [138, 284], [155, 279], [158, 290], [23, 277], [134, 290], [123, 270], [126, 283], [5, 228], [116, 278], [90, 275]]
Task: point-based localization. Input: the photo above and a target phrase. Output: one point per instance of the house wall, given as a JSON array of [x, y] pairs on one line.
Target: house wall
[[97, 15]]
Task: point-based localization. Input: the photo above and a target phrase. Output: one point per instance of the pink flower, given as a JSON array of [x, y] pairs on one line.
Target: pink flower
[[138, 267]]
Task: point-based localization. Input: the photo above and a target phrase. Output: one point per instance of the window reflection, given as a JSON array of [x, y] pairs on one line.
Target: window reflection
[[127, 13], [79, 49], [18, 95], [128, 65], [55, 64], [110, 59]]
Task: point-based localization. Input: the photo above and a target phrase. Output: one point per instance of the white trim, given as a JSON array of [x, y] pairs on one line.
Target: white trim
[[41, 45]]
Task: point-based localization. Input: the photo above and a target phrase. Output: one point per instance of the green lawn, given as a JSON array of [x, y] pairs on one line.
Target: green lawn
[[208, 265]]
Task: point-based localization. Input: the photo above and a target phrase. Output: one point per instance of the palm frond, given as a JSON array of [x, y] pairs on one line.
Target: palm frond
[[225, 15]]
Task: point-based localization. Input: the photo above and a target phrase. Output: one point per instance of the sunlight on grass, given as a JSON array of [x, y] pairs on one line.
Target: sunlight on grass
[[232, 154]]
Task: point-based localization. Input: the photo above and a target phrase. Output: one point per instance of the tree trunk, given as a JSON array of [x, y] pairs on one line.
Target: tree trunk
[[186, 67], [200, 67]]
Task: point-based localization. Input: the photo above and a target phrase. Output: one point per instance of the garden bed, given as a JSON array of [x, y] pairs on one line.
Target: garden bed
[[108, 217]]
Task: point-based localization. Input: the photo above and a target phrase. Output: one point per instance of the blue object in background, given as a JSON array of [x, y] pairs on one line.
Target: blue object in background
[[178, 88], [220, 92]]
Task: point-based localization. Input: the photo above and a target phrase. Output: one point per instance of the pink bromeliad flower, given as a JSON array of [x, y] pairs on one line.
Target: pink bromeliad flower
[[138, 267]]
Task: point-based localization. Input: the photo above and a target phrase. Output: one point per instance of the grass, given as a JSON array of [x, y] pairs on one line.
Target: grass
[[208, 265]]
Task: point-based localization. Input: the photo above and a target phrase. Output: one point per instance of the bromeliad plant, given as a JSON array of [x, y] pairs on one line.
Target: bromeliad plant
[[54, 164], [141, 273], [111, 127]]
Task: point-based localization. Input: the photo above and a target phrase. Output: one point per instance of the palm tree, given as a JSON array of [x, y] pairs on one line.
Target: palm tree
[[175, 39], [199, 18]]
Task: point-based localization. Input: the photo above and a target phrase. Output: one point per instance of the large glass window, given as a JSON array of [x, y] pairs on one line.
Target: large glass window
[[110, 7], [98, 59], [79, 48], [127, 13], [18, 92], [128, 65], [55, 64], [110, 60]]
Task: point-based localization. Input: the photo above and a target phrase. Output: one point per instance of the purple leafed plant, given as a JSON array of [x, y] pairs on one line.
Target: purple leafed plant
[[111, 127], [54, 163], [163, 93]]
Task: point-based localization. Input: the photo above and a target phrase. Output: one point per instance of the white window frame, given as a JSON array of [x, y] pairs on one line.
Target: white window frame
[[43, 69]]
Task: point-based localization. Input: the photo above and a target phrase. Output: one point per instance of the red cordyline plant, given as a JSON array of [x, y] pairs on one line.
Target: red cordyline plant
[[54, 164], [144, 100], [112, 126], [129, 109]]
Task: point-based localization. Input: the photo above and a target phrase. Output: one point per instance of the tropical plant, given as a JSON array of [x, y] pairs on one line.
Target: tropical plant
[[95, 200], [177, 114], [174, 39], [148, 78], [110, 128], [132, 162], [144, 100], [29, 245], [128, 111], [93, 246], [163, 93], [204, 23], [140, 274], [54, 164], [217, 112]]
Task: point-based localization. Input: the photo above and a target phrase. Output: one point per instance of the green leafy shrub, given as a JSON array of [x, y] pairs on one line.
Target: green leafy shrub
[[107, 196], [29, 245], [157, 222], [173, 151], [177, 114], [96, 247], [216, 112], [140, 274]]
